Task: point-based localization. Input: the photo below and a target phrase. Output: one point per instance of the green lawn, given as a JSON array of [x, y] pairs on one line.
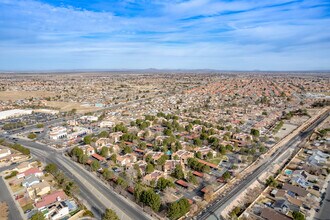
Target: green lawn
[[28, 206], [215, 160]]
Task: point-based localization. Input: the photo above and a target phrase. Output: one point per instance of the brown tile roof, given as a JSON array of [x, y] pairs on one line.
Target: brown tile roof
[[296, 189], [271, 214]]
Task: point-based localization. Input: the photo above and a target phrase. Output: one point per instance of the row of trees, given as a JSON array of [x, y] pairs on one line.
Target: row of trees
[[10, 126], [196, 165], [69, 187], [20, 148]]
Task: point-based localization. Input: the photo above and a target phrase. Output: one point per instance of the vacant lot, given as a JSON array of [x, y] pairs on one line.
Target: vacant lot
[[15, 95], [68, 106], [3, 210]]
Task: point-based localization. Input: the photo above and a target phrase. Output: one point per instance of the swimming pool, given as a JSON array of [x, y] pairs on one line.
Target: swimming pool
[[288, 172]]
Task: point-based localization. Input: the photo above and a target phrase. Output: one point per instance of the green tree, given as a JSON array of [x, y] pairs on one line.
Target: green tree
[[113, 158], [271, 182], [104, 152], [149, 168], [226, 175], [178, 209], [103, 134], [51, 168], [191, 178], [163, 183], [40, 125], [150, 198], [109, 214], [298, 215], [87, 139], [198, 142], [199, 155], [32, 136], [127, 149], [142, 145], [107, 174], [161, 161], [38, 216], [83, 158], [138, 189], [255, 132], [178, 172], [95, 165]]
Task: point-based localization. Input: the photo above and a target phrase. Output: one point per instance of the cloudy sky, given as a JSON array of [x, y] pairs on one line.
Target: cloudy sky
[[185, 34]]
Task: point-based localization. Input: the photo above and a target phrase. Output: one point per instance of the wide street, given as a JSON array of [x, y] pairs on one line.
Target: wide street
[[5, 196], [93, 191], [213, 211]]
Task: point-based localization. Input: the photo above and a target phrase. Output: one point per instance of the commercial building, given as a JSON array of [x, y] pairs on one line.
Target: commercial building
[[58, 133], [14, 113], [4, 152], [78, 132]]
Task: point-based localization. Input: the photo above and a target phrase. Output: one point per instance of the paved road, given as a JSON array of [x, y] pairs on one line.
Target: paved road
[[324, 213], [5, 196], [213, 211], [93, 191], [7, 167]]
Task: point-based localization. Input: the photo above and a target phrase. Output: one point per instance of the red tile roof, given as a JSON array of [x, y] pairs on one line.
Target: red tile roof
[[208, 164], [98, 157], [182, 183], [196, 173], [32, 171], [51, 198]]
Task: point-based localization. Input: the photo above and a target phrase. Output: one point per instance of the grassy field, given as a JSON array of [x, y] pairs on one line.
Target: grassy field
[[15, 95]]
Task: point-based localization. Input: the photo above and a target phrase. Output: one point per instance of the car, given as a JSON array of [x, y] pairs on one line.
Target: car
[[27, 211]]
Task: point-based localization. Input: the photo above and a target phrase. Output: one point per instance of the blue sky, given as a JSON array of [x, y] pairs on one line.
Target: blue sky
[[171, 34]]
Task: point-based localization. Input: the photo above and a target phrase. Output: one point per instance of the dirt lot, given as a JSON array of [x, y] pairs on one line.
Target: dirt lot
[[68, 106], [3, 210], [15, 95]]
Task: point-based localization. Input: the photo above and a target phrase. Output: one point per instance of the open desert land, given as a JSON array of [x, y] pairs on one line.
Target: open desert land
[[17, 95], [68, 106]]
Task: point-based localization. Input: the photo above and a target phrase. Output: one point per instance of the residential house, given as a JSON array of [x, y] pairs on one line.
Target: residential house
[[58, 210], [205, 150], [154, 176], [271, 214], [87, 149], [103, 142], [155, 155], [30, 181], [32, 171], [38, 189], [298, 191], [46, 200], [282, 206], [126, 159], [23, 167], [170, 165], [183, 155], [115, 137]]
